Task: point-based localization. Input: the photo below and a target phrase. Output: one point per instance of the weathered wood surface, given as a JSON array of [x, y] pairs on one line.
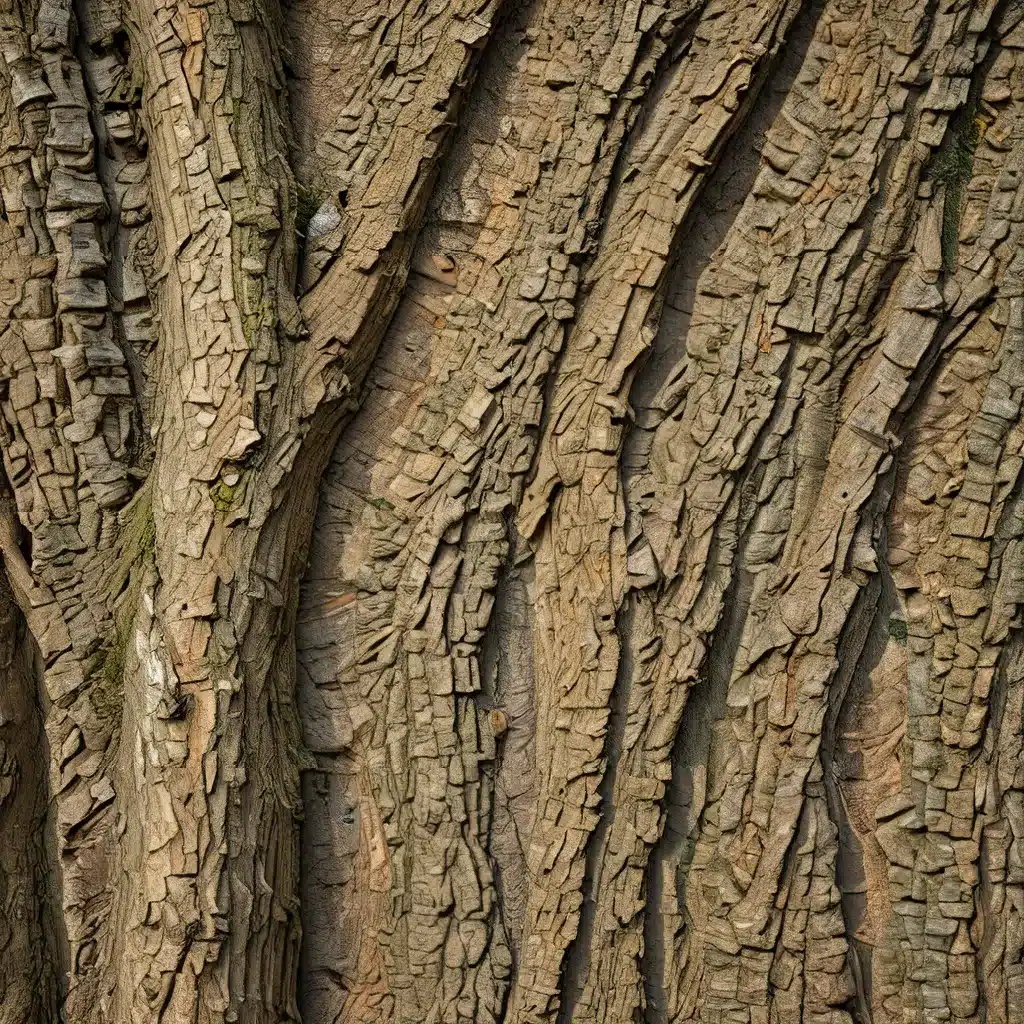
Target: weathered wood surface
[[512, 511]]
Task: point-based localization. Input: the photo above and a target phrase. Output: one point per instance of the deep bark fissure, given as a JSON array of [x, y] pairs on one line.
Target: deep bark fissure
[[88, 52], [578, 953], [860, 650], [704, 712], [507, 672], [706, 704], [732, 176]]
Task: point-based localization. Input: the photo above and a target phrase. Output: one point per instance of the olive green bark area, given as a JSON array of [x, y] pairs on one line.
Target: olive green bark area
[[898, 629], [133, 563], [309, 199], [951, 169], [228, 492]]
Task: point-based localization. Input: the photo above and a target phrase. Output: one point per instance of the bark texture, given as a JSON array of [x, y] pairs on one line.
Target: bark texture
[[512, 511]]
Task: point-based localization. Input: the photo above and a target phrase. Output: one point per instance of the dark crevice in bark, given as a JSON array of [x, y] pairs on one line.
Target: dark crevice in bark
[[508, 694], [32, 938], [1007, 680], [447, 218], [317, 826], [950, 165], [481, 121], [732, 175], [311, 185], [278, 765], [1012, 660], [985, 917], [983, 890], [904, 419], [705, 229], [615, 146], [722, 197], [860, 649], [880, 201], [53, 884], [676, 44], [850, 348], [1008, 527], [705, 709], [577, 957], [88, 49], [334, 780]]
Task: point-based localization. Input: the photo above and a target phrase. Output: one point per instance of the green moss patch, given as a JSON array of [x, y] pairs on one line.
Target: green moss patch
[[951, 168], [898, 629]]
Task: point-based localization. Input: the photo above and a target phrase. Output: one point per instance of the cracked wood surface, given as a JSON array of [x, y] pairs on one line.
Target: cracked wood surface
[[512, 511]]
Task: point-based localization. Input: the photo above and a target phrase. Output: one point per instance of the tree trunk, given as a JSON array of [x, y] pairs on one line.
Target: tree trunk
[[511, 511]]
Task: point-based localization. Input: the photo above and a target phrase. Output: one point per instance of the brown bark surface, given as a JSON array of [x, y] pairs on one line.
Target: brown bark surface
[[511, 511]]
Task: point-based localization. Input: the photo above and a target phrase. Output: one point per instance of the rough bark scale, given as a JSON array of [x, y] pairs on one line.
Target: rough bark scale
[[511, 511]]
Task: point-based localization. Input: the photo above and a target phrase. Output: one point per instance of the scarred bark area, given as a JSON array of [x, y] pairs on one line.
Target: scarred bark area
[[512, 511]]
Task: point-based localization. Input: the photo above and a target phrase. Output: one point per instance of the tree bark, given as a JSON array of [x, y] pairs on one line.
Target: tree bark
[[512, 511], [29, 983]]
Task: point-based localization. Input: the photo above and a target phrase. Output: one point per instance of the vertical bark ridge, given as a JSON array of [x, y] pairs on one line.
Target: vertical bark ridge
[[201, 881], [385, 149], [854, 780], [721, 202], [509, 682], [112, 78], [1000, 949], [620, 701]]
